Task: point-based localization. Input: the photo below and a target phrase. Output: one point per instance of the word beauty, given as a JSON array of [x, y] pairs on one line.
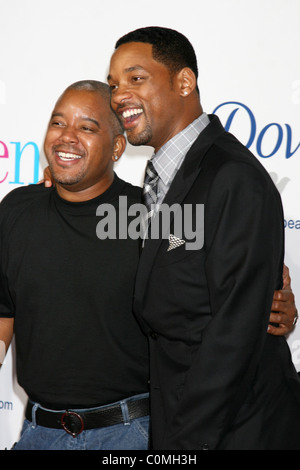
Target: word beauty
[[292, 224], [131, 222]]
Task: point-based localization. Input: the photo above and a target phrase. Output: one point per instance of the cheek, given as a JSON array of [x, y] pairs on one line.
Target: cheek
[[156, 107], [164, 111], [50, 139], [47, 145], [100, 154], [113, 104]]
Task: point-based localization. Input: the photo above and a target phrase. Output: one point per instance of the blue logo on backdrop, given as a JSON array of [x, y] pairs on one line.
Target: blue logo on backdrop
[[280, 131], [6, 405], [292, 224]]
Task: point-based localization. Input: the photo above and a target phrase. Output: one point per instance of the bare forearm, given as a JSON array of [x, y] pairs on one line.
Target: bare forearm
[[6, 334]]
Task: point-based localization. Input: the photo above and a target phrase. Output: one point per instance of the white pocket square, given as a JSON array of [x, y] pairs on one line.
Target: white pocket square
[[174, 242]]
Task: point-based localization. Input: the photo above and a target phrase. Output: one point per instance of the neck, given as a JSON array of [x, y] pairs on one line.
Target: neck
[[69, 193], [193, 110]]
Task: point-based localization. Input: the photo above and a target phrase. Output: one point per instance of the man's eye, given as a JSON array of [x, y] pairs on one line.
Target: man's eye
[[137, 79], [113, 87], [87, 129]]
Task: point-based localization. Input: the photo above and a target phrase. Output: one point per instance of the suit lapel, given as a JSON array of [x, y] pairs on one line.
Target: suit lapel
[[180, 186]]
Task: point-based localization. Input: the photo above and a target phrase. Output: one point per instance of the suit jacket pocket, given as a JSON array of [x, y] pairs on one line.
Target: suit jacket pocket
[[173, 256]]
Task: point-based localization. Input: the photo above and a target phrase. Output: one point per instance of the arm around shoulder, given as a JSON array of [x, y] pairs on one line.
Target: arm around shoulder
[[6, 334]]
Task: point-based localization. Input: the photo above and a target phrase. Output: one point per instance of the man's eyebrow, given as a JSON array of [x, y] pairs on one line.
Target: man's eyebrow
[[129, 69], [56, 114], [89, 119], [134, 68], [84, 118]]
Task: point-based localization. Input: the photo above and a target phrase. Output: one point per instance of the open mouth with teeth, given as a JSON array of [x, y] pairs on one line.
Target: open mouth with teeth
[[131, 115], [68, 157]]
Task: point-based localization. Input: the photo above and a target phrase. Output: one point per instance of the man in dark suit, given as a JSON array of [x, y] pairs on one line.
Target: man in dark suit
[[218, 380]]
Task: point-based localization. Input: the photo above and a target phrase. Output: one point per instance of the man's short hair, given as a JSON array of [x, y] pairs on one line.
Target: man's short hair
[[104, 91], [169, 47]]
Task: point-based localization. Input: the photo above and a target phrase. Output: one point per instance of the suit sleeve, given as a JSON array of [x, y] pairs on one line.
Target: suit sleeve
[[244, 244]]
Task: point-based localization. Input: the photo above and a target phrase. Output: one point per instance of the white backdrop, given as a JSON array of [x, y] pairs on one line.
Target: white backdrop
[[248, 54]]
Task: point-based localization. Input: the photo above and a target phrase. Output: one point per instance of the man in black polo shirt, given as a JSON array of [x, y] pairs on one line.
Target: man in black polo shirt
[[81, 356]]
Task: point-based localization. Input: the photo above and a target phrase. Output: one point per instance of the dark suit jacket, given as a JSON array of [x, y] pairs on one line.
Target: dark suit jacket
[[218, 380]]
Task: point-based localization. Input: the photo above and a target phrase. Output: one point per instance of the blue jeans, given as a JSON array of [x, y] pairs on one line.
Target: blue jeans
[[130, 435]]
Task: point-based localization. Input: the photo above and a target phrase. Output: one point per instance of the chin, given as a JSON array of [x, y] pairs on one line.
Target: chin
[[66, 180], [143, 138]]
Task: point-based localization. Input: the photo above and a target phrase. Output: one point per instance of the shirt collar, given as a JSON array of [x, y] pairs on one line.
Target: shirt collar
[[170, 157]]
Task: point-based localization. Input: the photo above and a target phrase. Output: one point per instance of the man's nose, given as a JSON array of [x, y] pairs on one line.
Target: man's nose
[[121, 95], [69, 135]]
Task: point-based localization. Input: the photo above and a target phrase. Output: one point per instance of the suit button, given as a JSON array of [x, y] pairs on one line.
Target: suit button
[[153, 335], [204, 447]]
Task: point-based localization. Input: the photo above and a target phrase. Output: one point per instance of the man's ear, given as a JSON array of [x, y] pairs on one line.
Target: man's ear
[[187, 81], [119, 147]]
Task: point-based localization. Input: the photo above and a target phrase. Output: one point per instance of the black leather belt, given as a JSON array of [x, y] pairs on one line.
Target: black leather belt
[[76, 422]]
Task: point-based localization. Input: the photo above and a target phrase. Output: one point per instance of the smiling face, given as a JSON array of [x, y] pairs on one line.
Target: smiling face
[[149, 101], [80, 145]]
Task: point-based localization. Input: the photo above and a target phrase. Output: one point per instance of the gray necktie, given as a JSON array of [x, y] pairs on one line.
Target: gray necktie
[[150, 185], [150, 193]]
